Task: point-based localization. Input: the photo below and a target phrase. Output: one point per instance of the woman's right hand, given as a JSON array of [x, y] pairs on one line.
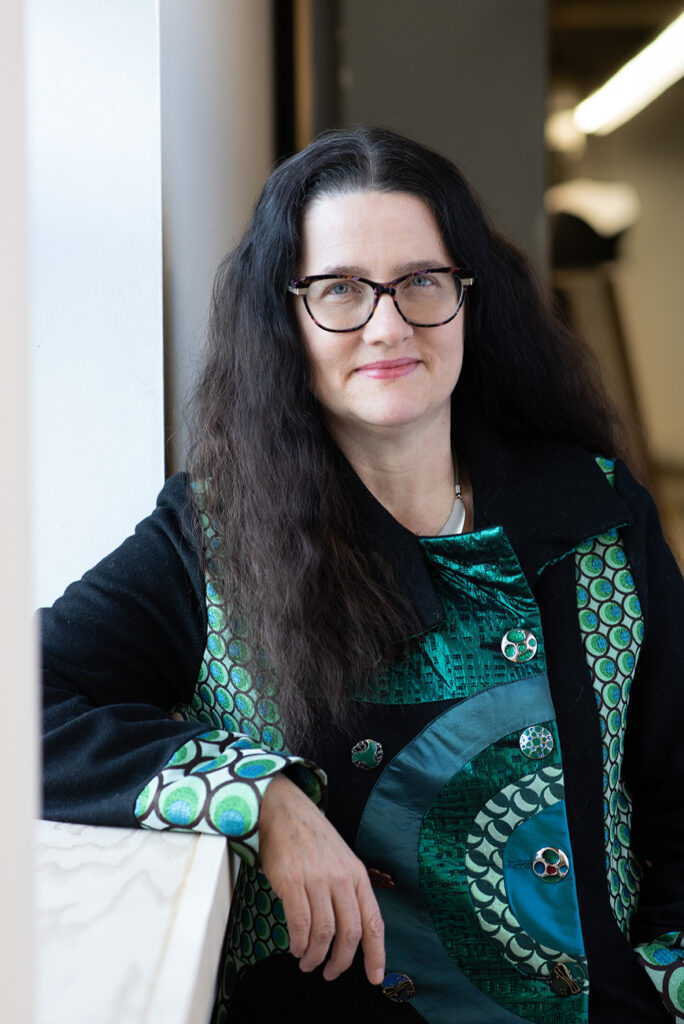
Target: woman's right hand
[[324, 887]]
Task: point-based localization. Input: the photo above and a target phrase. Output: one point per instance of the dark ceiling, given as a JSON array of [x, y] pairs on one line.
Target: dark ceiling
[[591, 39]]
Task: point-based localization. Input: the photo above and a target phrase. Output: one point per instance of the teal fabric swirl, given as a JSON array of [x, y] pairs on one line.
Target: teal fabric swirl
[[430, 797]]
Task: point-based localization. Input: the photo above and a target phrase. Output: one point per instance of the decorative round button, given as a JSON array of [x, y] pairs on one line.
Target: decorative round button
[[380, 879], [519, 645], [366, 754], [398, 987], [566, 979], [550, 864], [536, 742]]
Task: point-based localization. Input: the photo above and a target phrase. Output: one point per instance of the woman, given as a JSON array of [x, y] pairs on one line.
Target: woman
[[408, 559]]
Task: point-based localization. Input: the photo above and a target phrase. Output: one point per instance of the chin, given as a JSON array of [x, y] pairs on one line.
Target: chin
[[392, 418]]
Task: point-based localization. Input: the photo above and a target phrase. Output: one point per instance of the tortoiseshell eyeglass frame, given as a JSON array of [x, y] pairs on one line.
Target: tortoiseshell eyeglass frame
[[302, 284]]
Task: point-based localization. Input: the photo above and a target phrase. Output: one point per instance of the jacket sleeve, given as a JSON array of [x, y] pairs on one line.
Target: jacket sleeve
[[121, 649], [654, 753]]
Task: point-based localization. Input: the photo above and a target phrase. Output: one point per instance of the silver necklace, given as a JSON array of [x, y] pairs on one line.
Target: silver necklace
[[457, 483], [456, 521]]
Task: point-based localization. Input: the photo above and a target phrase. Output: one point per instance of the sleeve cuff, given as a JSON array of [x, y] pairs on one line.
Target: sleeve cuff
[[663, 961], [215, 783]]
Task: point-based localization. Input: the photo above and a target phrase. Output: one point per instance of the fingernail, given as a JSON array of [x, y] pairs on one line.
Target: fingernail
[[377, 975]]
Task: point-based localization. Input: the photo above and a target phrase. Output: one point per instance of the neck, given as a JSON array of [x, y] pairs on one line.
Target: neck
[[412, 475]]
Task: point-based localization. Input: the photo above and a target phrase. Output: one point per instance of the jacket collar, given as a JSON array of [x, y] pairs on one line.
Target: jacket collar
[[548, 496]]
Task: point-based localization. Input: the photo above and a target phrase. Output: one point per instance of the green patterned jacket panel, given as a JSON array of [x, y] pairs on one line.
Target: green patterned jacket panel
[[216, 782]]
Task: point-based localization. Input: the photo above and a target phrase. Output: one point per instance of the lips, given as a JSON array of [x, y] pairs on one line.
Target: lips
[[387, 369]]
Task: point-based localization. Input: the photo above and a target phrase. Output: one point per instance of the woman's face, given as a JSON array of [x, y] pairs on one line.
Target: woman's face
[[387, 377]]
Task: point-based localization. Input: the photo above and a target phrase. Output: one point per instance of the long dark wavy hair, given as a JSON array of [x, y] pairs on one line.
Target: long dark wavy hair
[[292, 561]]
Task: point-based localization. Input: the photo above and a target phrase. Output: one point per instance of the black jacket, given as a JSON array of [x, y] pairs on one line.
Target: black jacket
[[125, 646]]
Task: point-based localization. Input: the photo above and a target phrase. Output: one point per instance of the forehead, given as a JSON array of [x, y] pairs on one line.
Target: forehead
[[369, 233]]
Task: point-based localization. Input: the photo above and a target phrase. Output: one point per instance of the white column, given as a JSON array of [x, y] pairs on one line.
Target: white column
[[94, 152], [18, 751]]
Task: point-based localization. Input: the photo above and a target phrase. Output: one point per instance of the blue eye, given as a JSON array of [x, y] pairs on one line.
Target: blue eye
[[336, 289], [421, 281]]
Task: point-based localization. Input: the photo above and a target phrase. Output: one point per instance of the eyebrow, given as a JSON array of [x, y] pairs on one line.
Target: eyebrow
[[353, 270]]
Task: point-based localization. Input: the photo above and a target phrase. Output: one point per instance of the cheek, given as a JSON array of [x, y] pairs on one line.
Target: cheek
[[451, 353], [321, 366], [308, 342], [327, 357]]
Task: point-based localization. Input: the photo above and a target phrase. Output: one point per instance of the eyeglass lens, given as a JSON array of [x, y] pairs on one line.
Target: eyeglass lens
[[424, 300]]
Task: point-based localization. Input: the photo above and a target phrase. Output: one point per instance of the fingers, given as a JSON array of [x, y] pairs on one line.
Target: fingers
[[322, 931], [346, 915], [325, 890], [298, 917], [348, 934], [358, 920], [373, 939]]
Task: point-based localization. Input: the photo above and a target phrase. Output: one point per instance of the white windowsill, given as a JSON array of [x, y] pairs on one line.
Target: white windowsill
[[130, 924]]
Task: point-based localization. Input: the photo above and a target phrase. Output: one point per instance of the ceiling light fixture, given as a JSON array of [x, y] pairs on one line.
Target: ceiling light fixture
[[635, 85]]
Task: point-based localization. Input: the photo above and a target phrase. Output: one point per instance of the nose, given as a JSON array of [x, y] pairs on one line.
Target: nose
[[386, 325]]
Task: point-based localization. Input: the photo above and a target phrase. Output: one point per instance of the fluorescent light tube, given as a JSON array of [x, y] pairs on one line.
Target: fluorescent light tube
[[635, 85]]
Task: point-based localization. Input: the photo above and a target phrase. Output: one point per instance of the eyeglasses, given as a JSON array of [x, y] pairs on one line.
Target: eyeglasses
[[423, 298]]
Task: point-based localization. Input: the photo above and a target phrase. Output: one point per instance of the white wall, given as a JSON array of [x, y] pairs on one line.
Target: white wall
[[18, 752], [94, 155], [92, 445], [99, 121], [217, 149]]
